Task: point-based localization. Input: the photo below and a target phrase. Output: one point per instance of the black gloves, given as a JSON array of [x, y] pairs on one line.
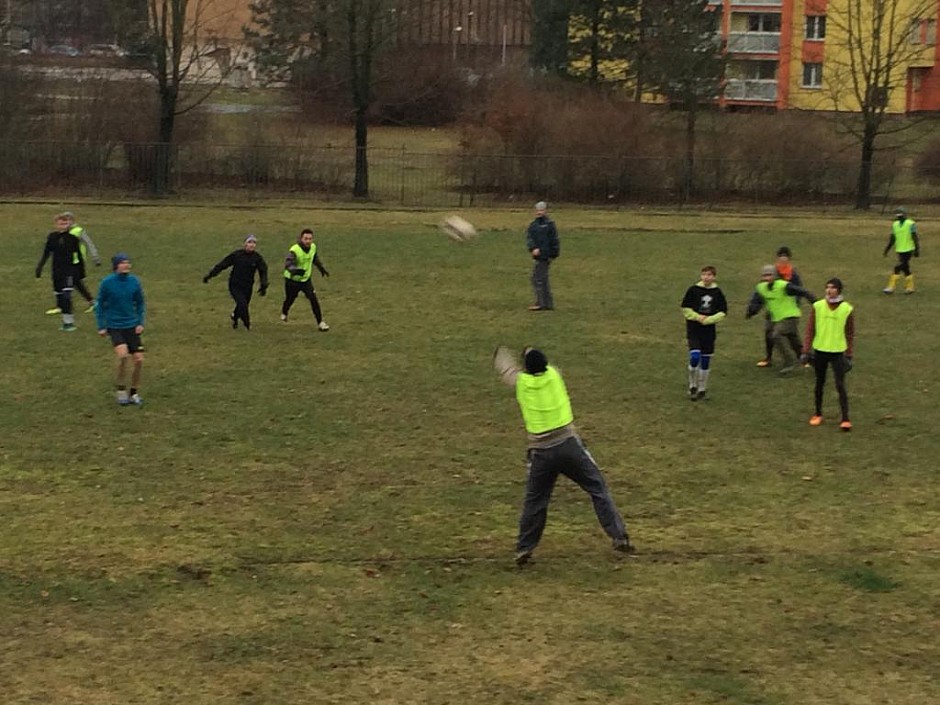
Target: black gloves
[[263, 291], [846, 363], [323, 272], [205, 279], [39, 274]]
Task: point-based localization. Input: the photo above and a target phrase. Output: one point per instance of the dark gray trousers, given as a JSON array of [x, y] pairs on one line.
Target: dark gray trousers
[[543, 290], [787, 341], [573, 460]]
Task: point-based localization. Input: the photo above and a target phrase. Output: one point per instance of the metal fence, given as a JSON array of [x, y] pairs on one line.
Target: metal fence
[[399, 177]]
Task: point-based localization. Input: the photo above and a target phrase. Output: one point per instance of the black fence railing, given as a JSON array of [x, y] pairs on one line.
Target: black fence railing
[[401, 177]]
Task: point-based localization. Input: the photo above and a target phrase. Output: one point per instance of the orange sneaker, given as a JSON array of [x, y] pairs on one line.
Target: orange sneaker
[[816, 420], [763, 363], [846, 425]]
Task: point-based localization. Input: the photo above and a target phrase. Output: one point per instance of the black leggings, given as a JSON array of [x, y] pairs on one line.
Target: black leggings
[[83, 290], [242, 297], [821, 361], [904, 263], [292, 289]]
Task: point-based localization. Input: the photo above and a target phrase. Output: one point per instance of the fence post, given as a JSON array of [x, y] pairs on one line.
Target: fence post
[[401, 174]]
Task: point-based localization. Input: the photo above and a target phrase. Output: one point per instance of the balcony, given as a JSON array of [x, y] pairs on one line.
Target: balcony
[[751, 89], [754, 42], [756, 3]]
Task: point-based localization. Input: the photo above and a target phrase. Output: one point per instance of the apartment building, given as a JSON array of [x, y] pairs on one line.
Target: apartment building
[[793, 54]]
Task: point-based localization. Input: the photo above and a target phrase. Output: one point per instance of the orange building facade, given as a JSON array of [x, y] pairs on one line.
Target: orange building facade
[[783, 54]]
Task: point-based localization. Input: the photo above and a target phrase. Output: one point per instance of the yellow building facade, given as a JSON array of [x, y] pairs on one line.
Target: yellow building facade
[[798, 54]]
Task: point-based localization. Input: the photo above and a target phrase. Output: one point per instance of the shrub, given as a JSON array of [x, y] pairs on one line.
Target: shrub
[[541, 137], [927, 162]]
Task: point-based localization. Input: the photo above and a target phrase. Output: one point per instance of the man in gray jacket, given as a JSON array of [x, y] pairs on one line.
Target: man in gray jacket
[[542, 243]]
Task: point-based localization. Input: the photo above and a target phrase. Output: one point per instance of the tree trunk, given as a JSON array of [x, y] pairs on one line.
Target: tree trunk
[[162, 163], [689, 180], [863, 189], [595, 48], [549, 50], [361, 181]]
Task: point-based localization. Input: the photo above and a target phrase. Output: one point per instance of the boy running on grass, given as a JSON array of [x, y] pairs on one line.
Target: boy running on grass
[[244, 262], [782, 301], [298, 268]]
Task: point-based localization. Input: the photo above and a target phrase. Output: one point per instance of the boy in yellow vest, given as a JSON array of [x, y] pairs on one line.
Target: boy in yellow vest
[[554, 447], [905, 242], [298, 268], [830, 334], [785, 270], [781, 297]]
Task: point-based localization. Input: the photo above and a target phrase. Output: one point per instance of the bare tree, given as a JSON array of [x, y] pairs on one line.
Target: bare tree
[[685, 63], [872, 44], [326, 43], [186, 64]]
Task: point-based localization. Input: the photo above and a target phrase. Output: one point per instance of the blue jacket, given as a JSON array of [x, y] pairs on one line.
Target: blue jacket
[[120, 302], [543, 235]]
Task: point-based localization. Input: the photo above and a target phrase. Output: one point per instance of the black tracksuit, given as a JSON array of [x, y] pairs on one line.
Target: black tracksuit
[[244, 264], [63, 247]]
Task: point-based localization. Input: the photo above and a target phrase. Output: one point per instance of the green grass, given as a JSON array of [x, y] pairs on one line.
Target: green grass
[[297, 517]]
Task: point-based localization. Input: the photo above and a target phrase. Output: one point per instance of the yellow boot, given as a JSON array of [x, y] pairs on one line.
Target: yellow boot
[[909, 284], [892, 282]]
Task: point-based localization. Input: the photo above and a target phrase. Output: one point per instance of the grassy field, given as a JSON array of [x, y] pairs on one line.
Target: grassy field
[[300, 517]]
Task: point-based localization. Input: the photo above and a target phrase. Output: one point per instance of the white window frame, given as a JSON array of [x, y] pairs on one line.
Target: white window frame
[[815, 74], [815, 28]]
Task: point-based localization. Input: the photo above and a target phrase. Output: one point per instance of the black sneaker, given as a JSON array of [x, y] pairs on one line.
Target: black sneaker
[[523, 557], [624, 546], [701, 395], [693, 394]]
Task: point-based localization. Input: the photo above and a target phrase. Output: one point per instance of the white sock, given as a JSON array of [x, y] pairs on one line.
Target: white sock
[[693, 376], [68, 319], [703, 380]]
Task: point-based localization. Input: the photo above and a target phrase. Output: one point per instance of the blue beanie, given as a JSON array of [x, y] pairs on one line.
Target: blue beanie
[[118, 258]]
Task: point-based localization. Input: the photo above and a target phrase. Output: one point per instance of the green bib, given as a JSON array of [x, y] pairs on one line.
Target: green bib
[[543, 400], [903, 235], [830, 327], [82, 254], [303, 259], [779, 303]]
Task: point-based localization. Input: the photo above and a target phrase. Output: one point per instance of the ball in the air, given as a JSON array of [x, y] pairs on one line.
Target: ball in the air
[[458, 229]]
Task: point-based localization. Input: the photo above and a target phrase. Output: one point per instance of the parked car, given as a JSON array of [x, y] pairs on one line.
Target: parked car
[[104, 50], [63, 50], [7, 50]]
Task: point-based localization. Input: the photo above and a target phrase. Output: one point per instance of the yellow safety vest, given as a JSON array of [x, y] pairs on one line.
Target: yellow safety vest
[[830, 326], [779, 303], [543, 400], [903, 235], [303, 259]]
